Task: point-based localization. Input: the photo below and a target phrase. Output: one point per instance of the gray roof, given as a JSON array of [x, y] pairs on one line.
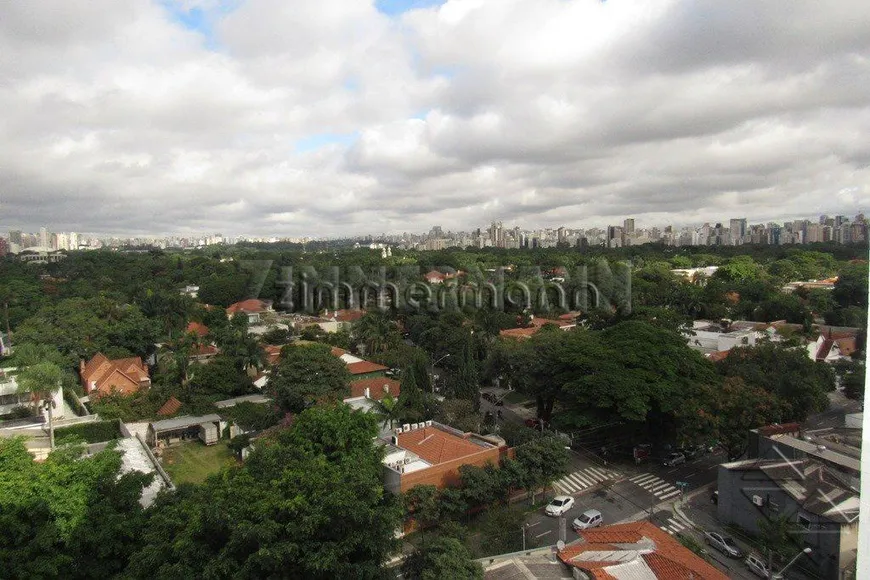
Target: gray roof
[[182, 422], [256, 398]]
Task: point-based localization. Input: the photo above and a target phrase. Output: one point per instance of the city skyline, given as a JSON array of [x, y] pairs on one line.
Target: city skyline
[[733, 231], [328, 120]]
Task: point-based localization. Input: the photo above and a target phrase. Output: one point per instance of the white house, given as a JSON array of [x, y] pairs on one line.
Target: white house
[[10, 398]]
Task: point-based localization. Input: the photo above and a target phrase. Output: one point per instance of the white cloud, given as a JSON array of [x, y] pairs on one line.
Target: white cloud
[[118, 117]]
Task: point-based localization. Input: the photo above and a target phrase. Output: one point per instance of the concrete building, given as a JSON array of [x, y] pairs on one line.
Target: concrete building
[[804, 492], [11, 398], [430, 453], [207, 428]]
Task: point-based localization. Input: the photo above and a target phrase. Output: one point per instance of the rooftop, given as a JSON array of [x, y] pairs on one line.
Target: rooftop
[[255, 398], [378, 388], [815, 487], [636, 551], [437, 443], [185, 421]]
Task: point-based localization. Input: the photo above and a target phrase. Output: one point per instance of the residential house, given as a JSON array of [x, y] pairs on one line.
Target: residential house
[[253, 308], [430, 453], [709, 337], [634, 550], [831, 348], [204, 350], [360, 368], [11, 398], [338, 320], [207, 428], [102, 376], [364, 391], [804, 491], [436, 277]]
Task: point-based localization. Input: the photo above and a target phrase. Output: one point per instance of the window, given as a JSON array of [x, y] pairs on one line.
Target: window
[[804, 522]]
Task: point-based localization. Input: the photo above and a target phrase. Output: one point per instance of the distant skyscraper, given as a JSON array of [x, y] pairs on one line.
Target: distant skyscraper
[[628, 226], [737, 230], [15, 237], [43, 237]]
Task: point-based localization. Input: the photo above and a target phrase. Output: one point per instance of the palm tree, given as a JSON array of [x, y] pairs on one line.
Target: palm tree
[[376, 332], [388, 410], [40, 381]]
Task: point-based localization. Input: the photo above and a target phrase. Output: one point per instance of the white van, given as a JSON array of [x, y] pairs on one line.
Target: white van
[[757, 566]]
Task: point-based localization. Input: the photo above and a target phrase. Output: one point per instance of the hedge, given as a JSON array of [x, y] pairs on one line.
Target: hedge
[[95, 432]]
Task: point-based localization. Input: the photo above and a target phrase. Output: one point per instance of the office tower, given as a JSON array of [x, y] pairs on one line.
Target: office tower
[[15, 237], [737, 230], [628, 226], [43, 237]]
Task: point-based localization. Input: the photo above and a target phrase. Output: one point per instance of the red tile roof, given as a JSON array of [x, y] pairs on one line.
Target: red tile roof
[[102, 375], [365, 367], [784, 429], [346, 315], [252, 305], [718, 355], [197, 328], [436, 446], [847, 345], [665, 557], [273, 354], [378, 388], [170, 407], [338, 351]]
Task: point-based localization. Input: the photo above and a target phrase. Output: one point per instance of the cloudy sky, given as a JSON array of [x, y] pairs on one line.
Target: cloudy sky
[[337, 117]]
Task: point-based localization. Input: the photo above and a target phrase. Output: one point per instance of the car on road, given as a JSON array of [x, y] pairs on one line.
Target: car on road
[[757, 566], [674, 459], [723, 543], [588, 519], [714, 497], [559, 505]]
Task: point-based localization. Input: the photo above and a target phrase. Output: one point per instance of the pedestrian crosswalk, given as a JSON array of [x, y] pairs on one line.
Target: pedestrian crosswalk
[[655, 485], [673, 526], [584, 478]]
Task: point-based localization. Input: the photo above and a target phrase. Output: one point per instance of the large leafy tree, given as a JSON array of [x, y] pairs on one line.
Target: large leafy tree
[[376, 333], [70, 516], [799, 384], [219, 378], [307, 374], [79, 328], [308, 503], [445, 557]]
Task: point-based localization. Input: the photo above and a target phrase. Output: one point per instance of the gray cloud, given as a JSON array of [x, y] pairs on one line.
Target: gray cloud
[[329, 118]]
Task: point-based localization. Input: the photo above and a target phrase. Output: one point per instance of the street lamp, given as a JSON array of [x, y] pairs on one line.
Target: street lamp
[[779, 575]]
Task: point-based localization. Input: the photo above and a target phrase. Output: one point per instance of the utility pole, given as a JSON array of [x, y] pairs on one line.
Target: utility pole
[[48, 404], [524, 537]]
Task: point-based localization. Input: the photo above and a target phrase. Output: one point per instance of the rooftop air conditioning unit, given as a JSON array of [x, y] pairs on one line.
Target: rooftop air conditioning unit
[[429, 423], [408, 460], [406, 427], [821, 448], [757, 500], [398, 430], [415, 425]]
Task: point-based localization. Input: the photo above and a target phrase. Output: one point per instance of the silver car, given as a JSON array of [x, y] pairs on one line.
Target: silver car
[[757, 566], [724, 544]]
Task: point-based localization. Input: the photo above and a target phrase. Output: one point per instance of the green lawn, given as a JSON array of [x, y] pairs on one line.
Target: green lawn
[[192, 461]]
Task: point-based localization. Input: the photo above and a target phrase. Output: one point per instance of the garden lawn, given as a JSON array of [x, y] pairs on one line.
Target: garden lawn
[[193, 461]]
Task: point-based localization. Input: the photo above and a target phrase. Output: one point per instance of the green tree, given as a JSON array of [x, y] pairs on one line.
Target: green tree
[[542, 460], [444, 558], [799, 384], [376, 333], [296, 509], [70, 516], [307, 374], [219, 378]]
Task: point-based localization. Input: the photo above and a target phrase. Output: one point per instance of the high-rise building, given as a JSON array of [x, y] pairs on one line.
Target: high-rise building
[[43, 237], [15, 237], [737, 230], [628, 226]]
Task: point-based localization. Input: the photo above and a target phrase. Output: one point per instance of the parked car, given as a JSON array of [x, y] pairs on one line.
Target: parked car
[[559, 505], [724, 544], [757, 566], [695, 451], [714, 497], [674, 459], [588, 519]]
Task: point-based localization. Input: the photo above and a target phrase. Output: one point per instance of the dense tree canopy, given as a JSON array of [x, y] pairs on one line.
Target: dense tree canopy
[[307, 504], [307, 374]]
